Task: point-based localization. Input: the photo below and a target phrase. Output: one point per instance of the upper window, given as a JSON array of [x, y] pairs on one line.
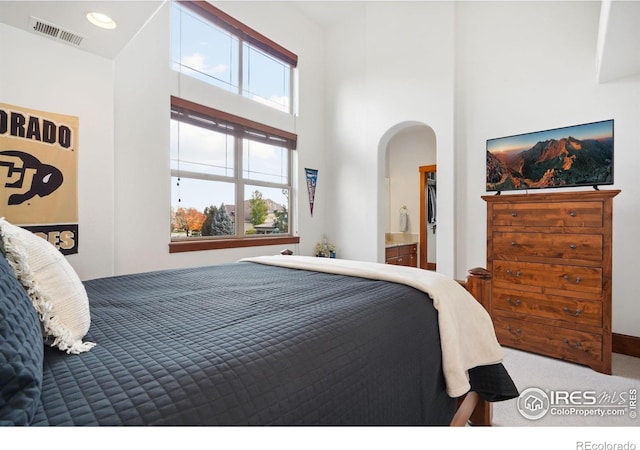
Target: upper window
[[213, 47]]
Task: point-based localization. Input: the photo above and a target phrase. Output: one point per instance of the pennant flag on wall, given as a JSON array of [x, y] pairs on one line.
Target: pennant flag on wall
[[39, 174], [312, 178]]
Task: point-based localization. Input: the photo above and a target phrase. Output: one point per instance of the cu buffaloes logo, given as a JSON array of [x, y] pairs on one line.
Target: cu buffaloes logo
[[28, 176]]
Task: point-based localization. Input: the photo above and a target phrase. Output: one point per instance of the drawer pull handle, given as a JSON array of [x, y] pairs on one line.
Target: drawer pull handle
[[514, 214], [571, 313], [515, 332], [573, 246], [578, 344], [573, 213], [568, 278], [517, 274], [515, 302], [513, 243]]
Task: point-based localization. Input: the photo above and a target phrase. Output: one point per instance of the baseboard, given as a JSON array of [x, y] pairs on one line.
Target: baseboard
[[626, 345]]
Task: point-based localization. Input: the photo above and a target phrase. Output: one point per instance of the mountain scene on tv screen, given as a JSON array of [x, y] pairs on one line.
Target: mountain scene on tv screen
[[552, 163]]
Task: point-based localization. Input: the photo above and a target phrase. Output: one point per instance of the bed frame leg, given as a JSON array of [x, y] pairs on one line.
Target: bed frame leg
[[472, 410], [482, 414], [478, 283]]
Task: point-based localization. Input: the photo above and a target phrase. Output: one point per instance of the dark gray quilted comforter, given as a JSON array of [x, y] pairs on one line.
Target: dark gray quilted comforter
[[250, 344]]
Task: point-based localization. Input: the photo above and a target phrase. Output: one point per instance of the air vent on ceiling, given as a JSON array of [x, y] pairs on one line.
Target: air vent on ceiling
[[54, 31]]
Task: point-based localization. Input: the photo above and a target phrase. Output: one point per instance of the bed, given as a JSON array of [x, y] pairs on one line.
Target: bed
[[281, 340]]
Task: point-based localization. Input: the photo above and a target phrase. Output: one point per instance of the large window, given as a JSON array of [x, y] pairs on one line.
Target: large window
[[231, 179], [231, 176], [211, 46]]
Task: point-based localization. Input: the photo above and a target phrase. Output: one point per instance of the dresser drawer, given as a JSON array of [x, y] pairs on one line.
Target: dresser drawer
[[556, 307], [391, 252], [549, 276], [407, 249], [573, 345], [402, 255], [512, 245], [546, 214]]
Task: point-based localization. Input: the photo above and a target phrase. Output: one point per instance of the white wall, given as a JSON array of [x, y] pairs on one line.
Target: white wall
[[529, 66], [41, 74], [384, 72]]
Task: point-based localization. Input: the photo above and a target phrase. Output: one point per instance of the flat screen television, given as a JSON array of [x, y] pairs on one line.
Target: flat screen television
[[578, 155]]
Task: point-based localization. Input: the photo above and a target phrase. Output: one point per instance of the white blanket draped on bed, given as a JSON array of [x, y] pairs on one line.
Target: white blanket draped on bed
[[466, 331]]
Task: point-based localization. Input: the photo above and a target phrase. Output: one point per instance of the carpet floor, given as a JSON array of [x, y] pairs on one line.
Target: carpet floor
[[575, 395]]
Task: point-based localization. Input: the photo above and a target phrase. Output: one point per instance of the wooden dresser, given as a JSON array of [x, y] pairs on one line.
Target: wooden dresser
[[550, 257]]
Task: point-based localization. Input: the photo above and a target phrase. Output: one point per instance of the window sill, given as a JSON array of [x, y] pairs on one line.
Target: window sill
[[216, 244]]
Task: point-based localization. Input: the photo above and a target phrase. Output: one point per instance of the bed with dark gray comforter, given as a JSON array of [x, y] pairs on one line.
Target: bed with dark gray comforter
[[253, 344]]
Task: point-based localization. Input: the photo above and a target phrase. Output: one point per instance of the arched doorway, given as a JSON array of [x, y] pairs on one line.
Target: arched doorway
[[407, 147]]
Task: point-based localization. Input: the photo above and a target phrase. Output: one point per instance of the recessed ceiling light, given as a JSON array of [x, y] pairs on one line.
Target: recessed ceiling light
[[101, 20]]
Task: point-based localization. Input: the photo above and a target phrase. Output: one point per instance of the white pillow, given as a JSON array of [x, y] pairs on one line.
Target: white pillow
[[55, 289]]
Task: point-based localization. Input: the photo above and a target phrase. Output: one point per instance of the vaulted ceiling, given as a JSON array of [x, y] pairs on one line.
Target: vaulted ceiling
[[618, 40]]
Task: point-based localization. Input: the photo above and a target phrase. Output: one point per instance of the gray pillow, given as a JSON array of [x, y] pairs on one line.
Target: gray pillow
[[21, 351]]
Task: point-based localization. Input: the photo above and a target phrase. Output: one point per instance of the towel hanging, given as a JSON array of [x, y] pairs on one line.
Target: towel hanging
[[404, 219]]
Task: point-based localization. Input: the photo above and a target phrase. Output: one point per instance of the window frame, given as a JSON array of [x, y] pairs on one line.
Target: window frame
[[247, 35], [242, 31], [239, 127]]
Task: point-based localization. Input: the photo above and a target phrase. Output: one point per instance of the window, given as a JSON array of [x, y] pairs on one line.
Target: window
[[231, 180], [213, 47], [231, 176]]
